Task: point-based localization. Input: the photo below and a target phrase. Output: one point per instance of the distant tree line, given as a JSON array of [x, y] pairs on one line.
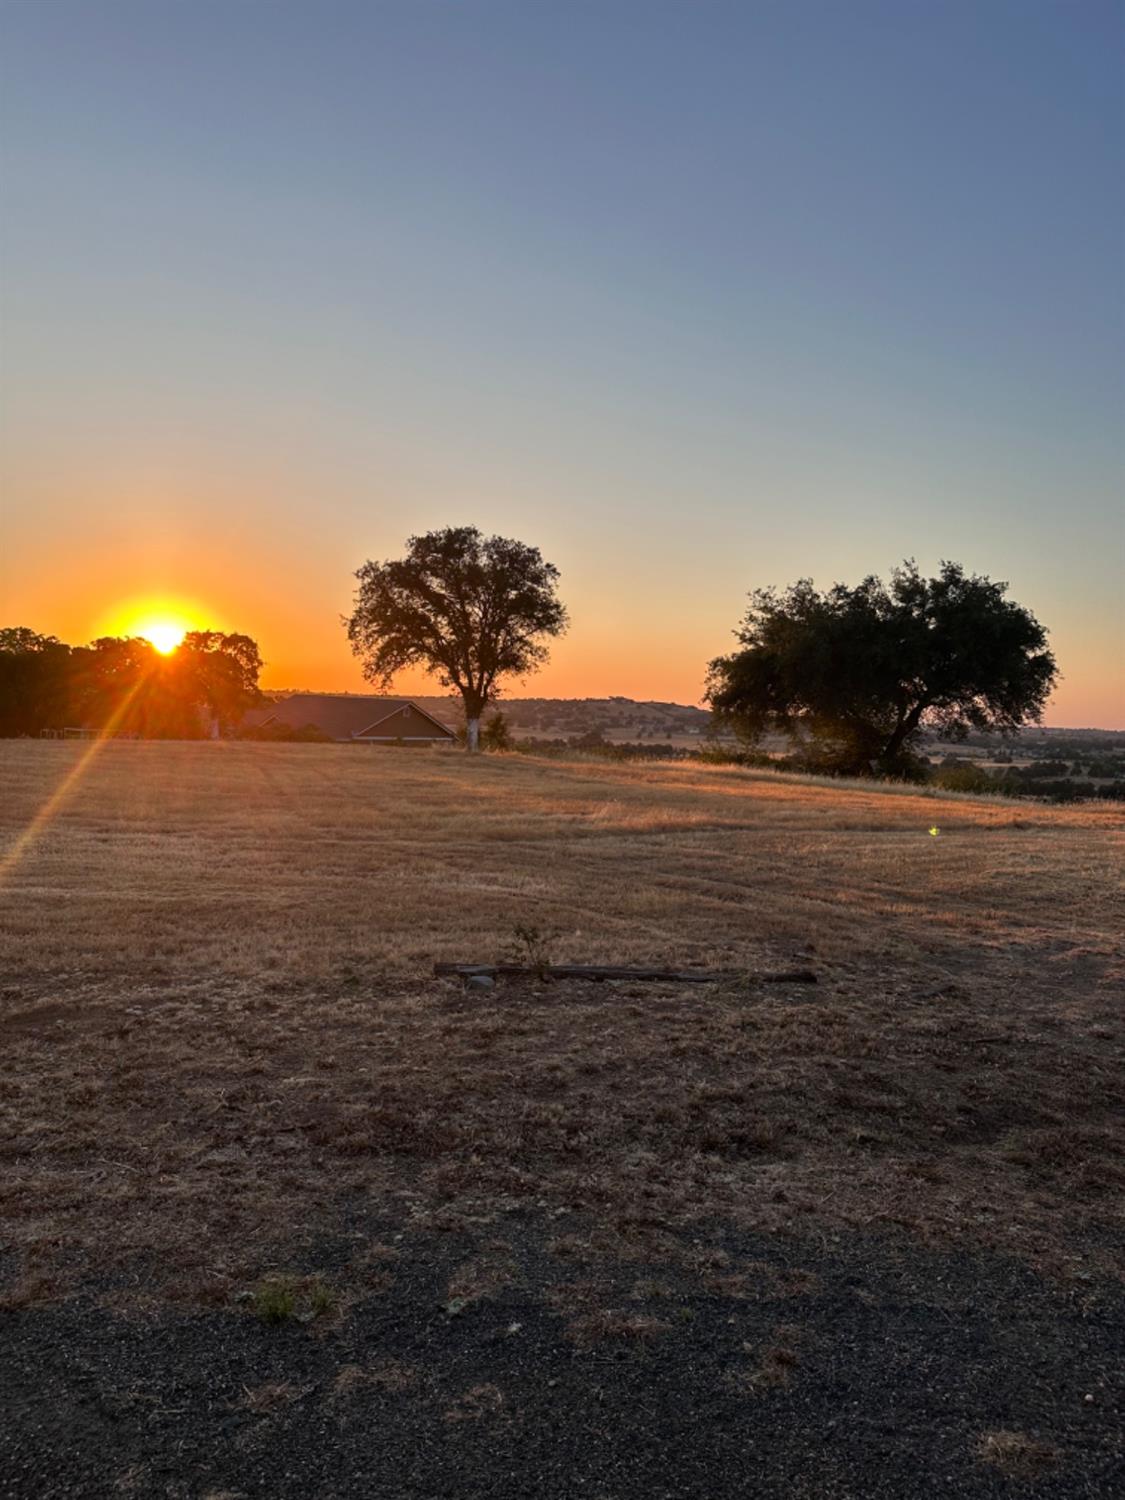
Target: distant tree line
[[1016, 781], [1047, 780], [123, 685]]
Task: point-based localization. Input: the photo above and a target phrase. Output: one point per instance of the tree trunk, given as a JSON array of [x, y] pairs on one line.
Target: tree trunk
[[906, 727], [474, 703]]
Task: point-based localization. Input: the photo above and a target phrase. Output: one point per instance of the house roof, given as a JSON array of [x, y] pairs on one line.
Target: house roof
[[341, 715]]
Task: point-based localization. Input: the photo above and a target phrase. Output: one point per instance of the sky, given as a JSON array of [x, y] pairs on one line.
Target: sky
[[696, 297]]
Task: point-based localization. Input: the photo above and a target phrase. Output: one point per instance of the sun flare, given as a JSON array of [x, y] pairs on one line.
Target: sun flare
[[161, 619], [163, 634]]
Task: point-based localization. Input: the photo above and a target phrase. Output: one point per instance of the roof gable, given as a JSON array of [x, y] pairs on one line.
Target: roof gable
[[346, 716], [386, 722]]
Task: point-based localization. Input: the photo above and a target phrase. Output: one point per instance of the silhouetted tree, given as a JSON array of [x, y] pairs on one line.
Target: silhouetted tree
[[34, 681], [219, 672], [854, 675], [471, 609], [123, 685]]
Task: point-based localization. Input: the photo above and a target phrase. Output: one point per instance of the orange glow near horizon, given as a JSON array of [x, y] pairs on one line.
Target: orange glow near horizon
[[163, 622], [304, 644]]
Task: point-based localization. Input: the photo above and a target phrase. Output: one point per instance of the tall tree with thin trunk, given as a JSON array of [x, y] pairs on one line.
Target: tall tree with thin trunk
[[470, 609]]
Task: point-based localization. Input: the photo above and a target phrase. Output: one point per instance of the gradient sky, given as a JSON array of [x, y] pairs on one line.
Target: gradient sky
[[697, 297]]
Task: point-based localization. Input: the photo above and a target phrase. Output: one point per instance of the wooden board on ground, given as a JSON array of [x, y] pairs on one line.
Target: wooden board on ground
[[598, 972]]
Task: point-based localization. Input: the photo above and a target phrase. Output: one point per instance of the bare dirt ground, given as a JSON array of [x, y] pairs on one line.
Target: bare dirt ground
[[557, 1239]]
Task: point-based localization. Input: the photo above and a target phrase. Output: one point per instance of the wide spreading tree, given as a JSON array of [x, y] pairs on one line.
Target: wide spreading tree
[[854, 676], [468, 608]]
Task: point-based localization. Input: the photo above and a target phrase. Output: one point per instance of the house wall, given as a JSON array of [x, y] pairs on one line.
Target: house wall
[[406, 724]]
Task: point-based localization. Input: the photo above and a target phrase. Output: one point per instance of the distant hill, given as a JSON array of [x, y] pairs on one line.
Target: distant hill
[[560, 718], [629, 720]]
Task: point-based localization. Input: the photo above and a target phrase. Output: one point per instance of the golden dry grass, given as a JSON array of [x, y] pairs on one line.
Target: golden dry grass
[[219, 1021], [172, 861]]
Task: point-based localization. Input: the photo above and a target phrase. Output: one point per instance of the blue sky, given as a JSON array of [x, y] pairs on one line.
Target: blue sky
[[698, 297]]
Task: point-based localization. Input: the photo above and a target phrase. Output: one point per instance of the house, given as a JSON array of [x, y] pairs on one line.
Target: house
[[355, 718]]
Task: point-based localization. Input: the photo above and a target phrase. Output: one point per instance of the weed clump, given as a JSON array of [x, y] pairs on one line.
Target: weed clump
[[531, 946], [279, 1299], [274, 1300]]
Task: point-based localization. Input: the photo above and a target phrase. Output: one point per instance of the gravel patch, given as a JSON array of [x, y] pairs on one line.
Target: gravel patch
[[543, 1359]]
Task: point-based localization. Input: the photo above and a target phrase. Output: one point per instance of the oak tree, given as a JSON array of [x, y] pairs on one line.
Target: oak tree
[[470, 609], [854, 676]]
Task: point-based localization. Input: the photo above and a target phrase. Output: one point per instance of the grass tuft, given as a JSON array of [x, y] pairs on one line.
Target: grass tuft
[[1015, 1453], [281, 1298], [275, 1300]]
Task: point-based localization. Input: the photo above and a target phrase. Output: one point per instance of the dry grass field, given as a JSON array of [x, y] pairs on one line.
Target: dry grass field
[[216, 995], [223, 1043]]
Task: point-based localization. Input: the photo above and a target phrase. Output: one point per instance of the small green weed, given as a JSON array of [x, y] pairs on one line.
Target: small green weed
[[322, 1299], [530, 945], [277, 1299]]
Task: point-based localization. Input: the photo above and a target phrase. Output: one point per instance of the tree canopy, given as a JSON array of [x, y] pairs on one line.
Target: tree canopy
[[470, 609], [35, 681], [123, 685], [855, 675]]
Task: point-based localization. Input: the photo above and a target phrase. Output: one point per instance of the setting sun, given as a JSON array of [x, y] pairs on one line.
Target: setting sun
[[162, 619], [163, 635]]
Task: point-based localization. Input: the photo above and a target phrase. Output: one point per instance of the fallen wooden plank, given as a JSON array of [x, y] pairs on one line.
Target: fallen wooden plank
[[598, 972]]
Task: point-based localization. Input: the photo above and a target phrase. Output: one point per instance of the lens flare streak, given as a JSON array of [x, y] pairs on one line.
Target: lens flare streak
[[58, 797]]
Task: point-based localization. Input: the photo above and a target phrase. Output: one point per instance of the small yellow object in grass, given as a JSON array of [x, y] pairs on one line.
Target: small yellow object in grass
[[934, 831]]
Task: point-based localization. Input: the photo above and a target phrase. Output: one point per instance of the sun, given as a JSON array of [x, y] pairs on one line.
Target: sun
[[161, 619], [163, 634]]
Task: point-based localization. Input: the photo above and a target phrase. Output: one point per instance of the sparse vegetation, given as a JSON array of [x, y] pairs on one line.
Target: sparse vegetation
[[274, 1395], [476, 1404], [530, 945], [390, 1375], [210, 1040], [1015, 1453], [222, 1055], [772, 1367], [278, 1298], [496, 734], [275, 1300], [615, 1324]]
